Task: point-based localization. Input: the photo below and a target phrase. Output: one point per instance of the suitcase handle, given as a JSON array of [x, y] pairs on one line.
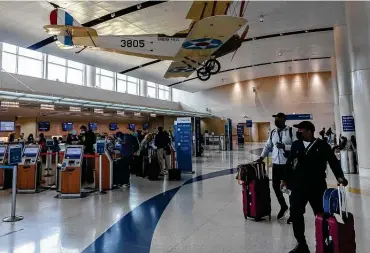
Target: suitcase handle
[[342, 195]]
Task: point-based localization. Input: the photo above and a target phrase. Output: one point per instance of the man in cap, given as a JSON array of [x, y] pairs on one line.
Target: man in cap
[[279, 143], [308, 159]]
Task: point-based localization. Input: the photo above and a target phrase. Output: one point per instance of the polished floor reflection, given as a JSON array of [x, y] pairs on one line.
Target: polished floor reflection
[[203, 213]]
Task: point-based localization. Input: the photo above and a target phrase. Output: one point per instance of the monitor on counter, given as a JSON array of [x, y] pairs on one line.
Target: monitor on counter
[[73, 153], [7, 126], [131, 126], [67, 126], [44, 126], [2, 151], [113, 126], [93, 126], [145, 126], [30, 151]]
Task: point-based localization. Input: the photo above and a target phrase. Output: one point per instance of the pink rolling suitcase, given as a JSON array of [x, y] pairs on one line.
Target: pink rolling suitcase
[[256, 193], [333, 236]]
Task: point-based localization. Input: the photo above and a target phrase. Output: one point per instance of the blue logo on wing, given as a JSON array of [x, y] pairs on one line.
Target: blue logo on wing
[[205, 43], [181, 69]]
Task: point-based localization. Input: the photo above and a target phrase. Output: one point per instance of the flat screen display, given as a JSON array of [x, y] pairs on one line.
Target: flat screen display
[[145, 126], [2, 151], [49, 142], [7, 126], [67, 126], [73, 153], [44, 126], [93, 126], [131, 127], [113, 126], [30, 152]]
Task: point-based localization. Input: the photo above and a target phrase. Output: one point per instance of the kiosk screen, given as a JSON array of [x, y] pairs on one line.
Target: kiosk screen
[[2, 151], [30, 152], [73, 153]]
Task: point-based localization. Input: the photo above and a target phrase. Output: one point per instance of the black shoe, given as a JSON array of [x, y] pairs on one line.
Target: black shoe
[[300, 248], [290, 220], [282, 212]]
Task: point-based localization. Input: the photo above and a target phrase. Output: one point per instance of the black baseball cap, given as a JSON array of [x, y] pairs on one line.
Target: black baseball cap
[[279, 115], [307, 125]]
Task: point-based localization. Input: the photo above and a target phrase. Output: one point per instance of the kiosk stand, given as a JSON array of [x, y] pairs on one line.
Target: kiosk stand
[[14, 157], [104, 169], [4, 174], [70, 173], [27, 169]]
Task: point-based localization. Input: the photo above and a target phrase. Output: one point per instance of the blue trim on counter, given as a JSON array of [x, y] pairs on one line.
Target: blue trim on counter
[[134, 232]]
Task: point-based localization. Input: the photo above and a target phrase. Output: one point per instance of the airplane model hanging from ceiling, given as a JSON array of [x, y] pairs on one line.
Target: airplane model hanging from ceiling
[[211, 35]]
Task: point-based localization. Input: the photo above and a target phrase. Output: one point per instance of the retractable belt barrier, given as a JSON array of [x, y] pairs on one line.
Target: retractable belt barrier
[[12, 217]]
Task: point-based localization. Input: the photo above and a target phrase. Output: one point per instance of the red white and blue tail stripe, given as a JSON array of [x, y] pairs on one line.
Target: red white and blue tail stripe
[[60, 17]]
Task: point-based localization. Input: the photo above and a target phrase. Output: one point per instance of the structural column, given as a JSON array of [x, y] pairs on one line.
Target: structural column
[[357, 15], [338, 125], [343, 76], [90, 76]]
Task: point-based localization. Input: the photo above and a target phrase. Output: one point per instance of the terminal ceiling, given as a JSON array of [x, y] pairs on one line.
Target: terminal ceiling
[[21, 23]]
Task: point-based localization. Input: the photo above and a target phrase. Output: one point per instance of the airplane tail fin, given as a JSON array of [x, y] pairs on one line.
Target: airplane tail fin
[[62, 18]]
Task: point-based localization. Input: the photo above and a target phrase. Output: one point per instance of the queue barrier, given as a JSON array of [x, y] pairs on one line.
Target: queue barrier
[[13, 217]]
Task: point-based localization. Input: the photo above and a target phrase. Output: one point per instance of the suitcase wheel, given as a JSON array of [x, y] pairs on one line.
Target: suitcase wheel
[[246, 217]]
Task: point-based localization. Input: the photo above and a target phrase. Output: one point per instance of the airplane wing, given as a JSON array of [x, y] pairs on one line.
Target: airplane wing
[[205, 38], [204, 9]]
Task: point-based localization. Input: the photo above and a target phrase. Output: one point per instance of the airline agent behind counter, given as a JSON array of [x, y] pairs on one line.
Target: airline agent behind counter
[[308, 160]]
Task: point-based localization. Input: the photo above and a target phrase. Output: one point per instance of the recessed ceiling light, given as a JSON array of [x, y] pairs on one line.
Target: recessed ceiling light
[[280, 54], [306, 31]]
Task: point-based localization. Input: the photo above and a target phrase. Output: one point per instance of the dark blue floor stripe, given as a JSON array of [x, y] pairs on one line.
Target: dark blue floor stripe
[[134, 232]]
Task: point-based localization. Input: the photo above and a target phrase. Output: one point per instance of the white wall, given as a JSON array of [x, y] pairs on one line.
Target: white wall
[[299, 93]]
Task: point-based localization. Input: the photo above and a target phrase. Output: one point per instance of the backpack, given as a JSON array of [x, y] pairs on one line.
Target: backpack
[[290, 133]]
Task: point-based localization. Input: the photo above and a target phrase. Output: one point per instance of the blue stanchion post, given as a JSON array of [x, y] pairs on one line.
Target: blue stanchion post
[[14, 157]]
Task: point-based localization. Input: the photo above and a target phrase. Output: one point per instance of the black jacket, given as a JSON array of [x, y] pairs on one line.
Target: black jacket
[[309, 166], [162, 140]]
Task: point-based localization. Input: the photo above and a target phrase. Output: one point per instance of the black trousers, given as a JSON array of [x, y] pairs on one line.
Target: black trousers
[[279, 172], [126, 163], [301, 195]]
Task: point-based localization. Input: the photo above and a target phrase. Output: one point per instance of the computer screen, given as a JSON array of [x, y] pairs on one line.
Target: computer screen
[[30, 151], [67, 126], [93, 126], [73, 153], [131, 127], [7, 126], [113, 126], [2, 151], [49, 143], [44, 126], [145, 126]]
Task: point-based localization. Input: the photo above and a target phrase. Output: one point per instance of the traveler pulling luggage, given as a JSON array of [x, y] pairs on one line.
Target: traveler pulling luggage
[[256, 190], [335, 234]]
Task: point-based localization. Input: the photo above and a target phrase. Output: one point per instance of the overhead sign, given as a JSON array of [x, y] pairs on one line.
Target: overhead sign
[[299, 117], [14, 154], [249, 123], [348, 123]]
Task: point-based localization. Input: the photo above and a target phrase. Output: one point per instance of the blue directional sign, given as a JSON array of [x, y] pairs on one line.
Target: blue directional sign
[[249, 123], [348, 123], [299, 117], [183, 143]]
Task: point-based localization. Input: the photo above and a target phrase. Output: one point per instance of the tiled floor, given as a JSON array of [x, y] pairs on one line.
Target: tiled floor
[[204, 216]]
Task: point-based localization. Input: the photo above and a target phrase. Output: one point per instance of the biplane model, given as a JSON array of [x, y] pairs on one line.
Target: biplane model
[[209, 37]]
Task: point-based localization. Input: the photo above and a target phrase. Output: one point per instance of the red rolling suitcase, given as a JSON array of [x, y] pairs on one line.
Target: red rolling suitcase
[[256, 193], [333, 236]]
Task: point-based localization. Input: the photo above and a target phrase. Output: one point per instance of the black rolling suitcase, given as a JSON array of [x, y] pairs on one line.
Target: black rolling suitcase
[[174, 175], [154, 168], [117, 172]]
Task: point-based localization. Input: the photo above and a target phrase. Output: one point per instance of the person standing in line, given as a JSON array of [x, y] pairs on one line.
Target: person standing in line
[[279, 143], [322, 133], [308, 162], [129, 147], [161, 142]]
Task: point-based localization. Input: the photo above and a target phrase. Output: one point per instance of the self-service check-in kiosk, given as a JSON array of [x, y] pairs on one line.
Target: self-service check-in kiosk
[[106, 176], [27, 169], [70, 173], [4, 174]]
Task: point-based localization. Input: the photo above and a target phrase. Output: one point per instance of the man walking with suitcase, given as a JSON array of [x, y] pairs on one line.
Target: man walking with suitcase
[[308, 160], [279, 143]]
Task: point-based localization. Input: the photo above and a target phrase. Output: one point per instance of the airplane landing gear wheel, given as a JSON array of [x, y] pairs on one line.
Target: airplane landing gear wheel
[[203, 74], [213, 66]]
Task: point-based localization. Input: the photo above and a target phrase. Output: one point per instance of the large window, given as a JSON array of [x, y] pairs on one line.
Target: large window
[[132, 85], [151, 90], [121, 83], [163, 92], [104, 79], [63, 70], [22, 61]]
